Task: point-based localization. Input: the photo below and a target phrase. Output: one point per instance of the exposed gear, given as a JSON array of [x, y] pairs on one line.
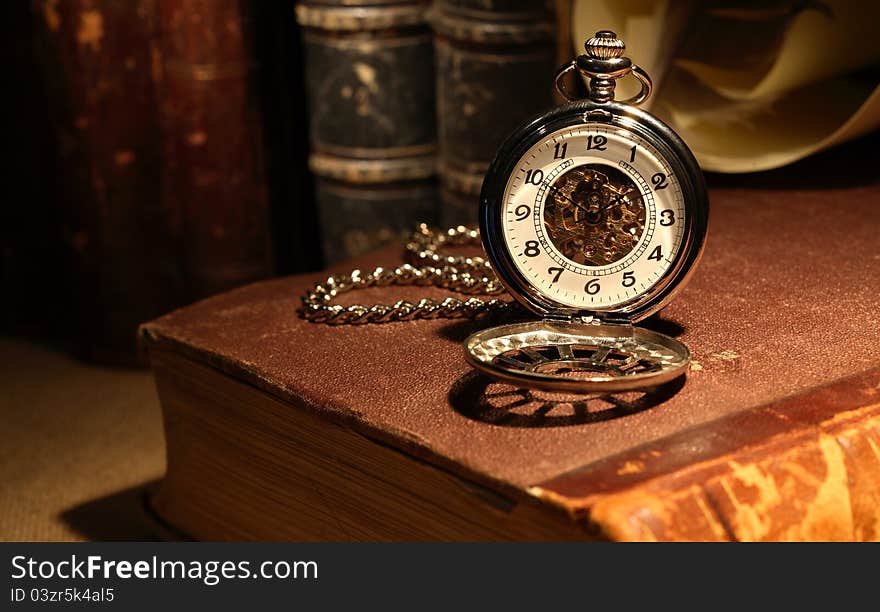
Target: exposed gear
[[594, 214]]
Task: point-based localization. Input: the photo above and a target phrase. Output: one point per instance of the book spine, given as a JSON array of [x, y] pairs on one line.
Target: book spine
[[96, 61], [213, 185], [370, 86], [495, 63], [761, 474], [749, 495]]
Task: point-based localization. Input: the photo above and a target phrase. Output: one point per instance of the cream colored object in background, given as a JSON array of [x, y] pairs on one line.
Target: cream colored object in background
[[751, 88]]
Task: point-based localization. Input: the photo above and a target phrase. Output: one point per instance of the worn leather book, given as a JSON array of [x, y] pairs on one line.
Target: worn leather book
[[495, 64], [282, 429], [159, 172], [95, 59], [214, 188], [369, 68]]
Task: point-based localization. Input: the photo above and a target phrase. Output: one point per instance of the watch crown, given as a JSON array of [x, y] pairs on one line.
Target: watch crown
[[605, 45]]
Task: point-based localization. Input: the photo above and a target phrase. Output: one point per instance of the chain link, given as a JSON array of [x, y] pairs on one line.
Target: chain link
[[465, 275]]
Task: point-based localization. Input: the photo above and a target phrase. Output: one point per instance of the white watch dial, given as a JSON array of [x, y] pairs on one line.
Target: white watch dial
[[593, 216]]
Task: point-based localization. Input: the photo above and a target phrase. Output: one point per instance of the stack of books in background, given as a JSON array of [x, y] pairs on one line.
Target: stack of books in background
[[371, 102], [495, 61], [167, 143], [408, 102]]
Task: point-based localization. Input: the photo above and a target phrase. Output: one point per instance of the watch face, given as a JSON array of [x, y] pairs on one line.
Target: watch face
[[593, 215]]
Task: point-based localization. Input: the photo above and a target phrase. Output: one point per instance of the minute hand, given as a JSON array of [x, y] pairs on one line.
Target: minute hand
[[618, 199], [559, 191]]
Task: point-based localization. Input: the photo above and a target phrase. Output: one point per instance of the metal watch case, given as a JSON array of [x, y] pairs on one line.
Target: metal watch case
[[587, 350], [643, 124]]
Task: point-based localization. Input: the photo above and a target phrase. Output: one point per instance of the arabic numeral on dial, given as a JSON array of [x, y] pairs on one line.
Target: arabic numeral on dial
[[592, 287], [632, 154], [535, 177], [629, 279], [597, 142], [657, 253], [521, 212], [556, 272], [531, 249], [659, 181], [559, 150], [667, 217]]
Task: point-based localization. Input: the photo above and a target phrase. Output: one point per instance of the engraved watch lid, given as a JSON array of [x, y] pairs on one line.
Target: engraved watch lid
[[577, 358]]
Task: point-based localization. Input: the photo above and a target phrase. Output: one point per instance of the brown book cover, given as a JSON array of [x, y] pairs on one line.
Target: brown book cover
[[282, 429], [97, 63], [214, 189], [160, 180]]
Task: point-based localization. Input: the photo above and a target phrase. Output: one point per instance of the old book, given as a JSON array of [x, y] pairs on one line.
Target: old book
[[97, 65], [369, 76], [495, 66], [214, 188], [160, 179], [282, 429]]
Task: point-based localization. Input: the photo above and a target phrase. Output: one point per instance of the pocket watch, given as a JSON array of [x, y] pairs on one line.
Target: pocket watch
[[593, 216]]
